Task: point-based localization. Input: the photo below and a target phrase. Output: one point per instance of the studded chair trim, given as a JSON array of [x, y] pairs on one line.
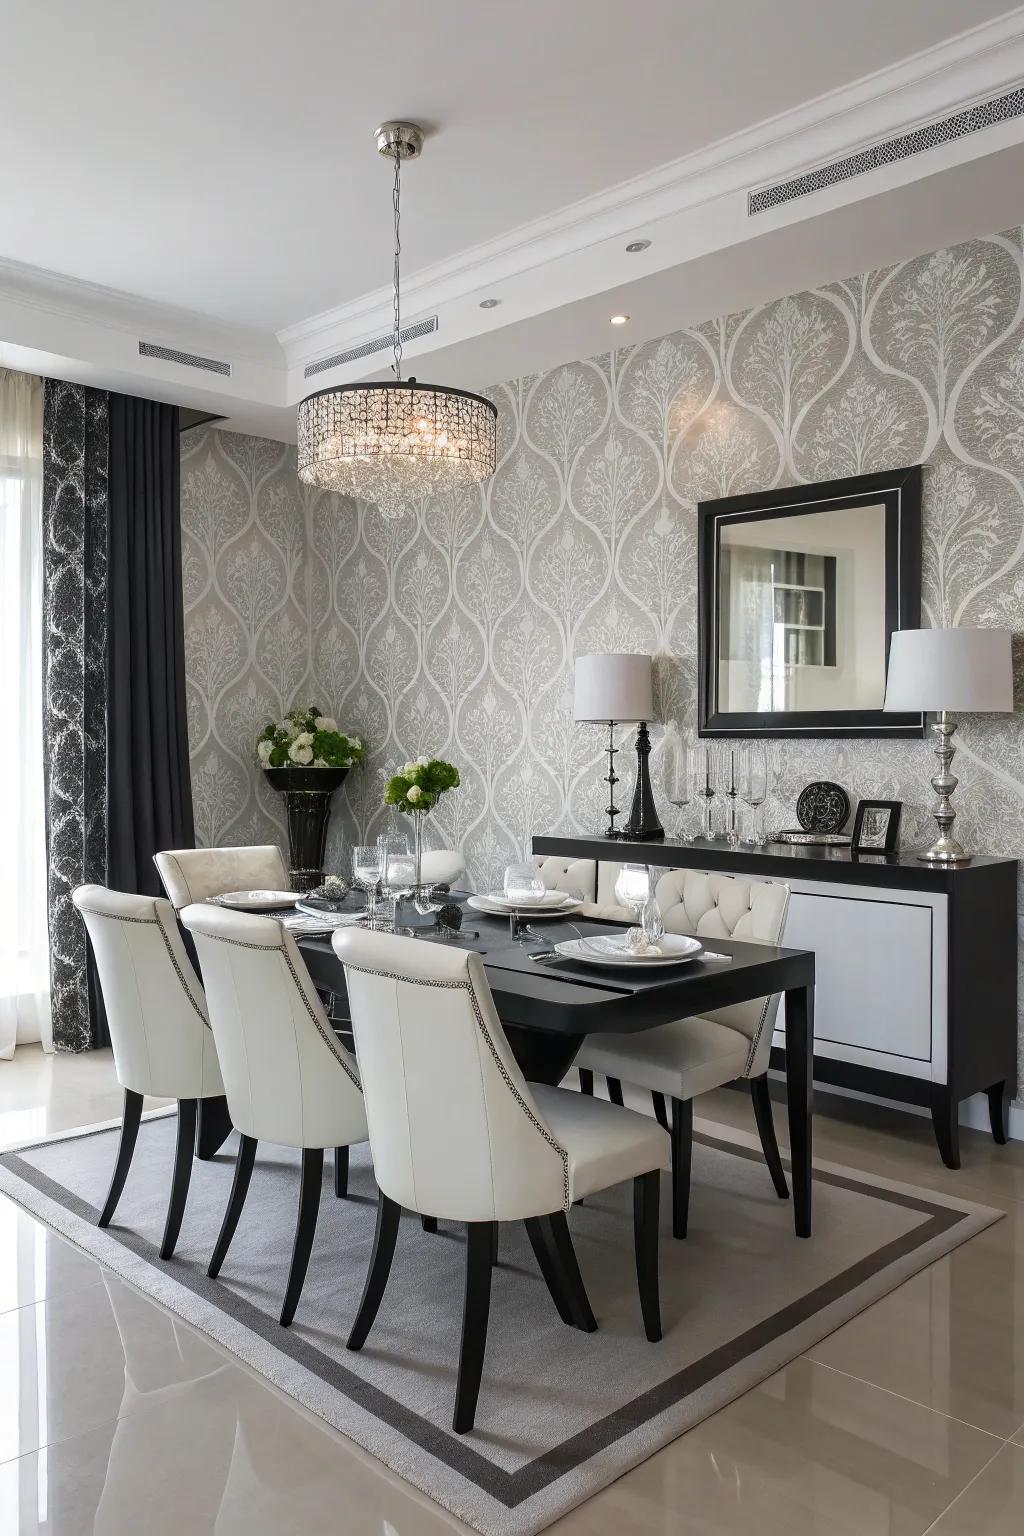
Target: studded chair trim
[[467, 986]]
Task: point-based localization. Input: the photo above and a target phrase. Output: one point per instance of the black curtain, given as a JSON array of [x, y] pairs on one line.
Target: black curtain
[[149, 787]]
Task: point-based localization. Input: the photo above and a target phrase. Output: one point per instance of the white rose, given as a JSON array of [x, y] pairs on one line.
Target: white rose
[[423, 761], [413, 794], [305, 738], [300, 752], [264, 749], [325, 723]]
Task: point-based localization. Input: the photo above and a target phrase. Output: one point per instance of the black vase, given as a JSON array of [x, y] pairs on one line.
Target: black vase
[[307, 797]]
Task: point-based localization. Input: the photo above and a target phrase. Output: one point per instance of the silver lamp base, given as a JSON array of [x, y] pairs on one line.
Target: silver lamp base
[[945, 849]]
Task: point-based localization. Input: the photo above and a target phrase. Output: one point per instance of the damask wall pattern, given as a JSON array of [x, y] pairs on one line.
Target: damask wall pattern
[[453, 629], [252, 599]]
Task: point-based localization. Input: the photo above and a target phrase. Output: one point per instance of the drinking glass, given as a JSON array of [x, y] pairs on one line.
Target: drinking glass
[[399, 878], [708, 784], [366, 871], [632, 888], [678, 768], [523, 884], [752, 784]]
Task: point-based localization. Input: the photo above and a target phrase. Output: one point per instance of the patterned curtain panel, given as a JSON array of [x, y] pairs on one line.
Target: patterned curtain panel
[[75, 433]]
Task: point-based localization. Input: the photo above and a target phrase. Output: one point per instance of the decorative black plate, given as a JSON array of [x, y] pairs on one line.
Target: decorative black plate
[[823, 807]]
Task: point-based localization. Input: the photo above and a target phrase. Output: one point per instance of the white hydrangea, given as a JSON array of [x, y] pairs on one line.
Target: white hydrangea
[[410, 770], [325, 723], [423, 761]]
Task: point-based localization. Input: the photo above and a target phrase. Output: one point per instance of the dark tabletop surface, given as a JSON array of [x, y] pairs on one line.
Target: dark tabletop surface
[[572, 997]]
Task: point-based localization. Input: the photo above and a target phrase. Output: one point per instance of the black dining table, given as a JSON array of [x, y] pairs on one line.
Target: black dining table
[[548, 1005]]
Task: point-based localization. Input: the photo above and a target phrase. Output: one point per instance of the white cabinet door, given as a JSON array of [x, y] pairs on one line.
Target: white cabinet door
[[873, 971]]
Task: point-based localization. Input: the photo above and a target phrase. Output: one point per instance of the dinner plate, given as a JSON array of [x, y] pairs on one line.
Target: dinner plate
[[505, 908], [610, 949], [256, 901]]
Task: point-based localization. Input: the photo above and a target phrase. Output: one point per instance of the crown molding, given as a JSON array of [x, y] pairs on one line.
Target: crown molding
[[934, 83], [73, 298]]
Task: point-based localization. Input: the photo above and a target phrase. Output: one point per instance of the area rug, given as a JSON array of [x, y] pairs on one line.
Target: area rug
[[561, 1413]]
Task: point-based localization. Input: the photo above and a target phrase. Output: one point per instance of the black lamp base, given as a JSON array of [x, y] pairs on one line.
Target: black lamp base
[[643, 817]]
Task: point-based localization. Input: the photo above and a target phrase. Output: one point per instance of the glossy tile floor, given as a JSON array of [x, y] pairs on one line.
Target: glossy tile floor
[[117, 1419]]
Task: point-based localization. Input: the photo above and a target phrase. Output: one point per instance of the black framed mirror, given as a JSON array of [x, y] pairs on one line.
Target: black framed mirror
[[799, 590]]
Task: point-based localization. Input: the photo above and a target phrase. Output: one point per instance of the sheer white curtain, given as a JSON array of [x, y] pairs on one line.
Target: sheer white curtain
[[24, 950]]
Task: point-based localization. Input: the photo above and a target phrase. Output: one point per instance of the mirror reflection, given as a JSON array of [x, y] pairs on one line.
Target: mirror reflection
[[801, 611]]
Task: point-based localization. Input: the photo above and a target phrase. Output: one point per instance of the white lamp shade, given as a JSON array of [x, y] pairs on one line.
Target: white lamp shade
[[617, 686], [964, 671]]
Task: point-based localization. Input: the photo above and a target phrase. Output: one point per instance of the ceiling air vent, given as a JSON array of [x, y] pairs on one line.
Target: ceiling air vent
[[367, 348], [186, 359], [997, 110]]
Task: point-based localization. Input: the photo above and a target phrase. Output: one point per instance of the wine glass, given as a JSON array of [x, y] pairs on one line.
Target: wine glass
[[752, 784], [366, 871], [708, 784], [677, 772], [524, 885], [399, 877], [632, 888]]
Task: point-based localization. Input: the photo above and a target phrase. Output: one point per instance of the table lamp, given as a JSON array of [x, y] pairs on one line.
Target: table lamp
[[949, 672], [612, 689]]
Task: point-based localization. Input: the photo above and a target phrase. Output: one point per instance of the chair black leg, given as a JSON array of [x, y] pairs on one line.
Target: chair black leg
[[239, 1189], [645, 1236], [341, 1172], [552, 1276], [999, 1111], [384, 1239], [766, 1130], [479, 1247], [614, 1090], [305, 1229], [494, 1242], [586, 1081], [428, 1223], [660, 1112], [188, 1114], [130, 1120], [563, 1257], [682, 1155]]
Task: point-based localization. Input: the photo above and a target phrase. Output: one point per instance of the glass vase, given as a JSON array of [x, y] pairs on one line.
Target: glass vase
[[417, 847]]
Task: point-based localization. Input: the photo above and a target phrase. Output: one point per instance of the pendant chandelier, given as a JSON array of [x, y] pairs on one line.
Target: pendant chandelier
[[398, 440]]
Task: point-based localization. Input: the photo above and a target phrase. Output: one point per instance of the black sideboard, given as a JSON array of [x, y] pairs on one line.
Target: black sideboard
[[916, 965]]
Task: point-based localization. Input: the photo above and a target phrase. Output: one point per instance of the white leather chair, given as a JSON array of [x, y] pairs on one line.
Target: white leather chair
[[692, 1056], [196, 874], [457, 1133], [442, 866], [159, 1031], [288, 1079]]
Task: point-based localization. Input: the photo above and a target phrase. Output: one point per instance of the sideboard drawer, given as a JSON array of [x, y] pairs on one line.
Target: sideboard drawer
[[873, 963]]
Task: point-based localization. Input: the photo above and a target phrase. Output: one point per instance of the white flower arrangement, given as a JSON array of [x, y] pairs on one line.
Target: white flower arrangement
[[307, 738]]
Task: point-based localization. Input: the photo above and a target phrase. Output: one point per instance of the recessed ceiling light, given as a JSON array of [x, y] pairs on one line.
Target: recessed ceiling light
[[619, 319], [489, 303], [637, 245]]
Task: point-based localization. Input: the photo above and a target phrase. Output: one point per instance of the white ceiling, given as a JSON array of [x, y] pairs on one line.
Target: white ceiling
[[204, 174]]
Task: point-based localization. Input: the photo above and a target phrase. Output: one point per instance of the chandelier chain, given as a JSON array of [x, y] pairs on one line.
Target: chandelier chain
[[397, 205]]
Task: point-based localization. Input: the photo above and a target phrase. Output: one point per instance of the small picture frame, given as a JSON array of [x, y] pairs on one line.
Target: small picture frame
[[876, 827]]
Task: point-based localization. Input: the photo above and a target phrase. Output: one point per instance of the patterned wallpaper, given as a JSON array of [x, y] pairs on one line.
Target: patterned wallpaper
[[453, 629]]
